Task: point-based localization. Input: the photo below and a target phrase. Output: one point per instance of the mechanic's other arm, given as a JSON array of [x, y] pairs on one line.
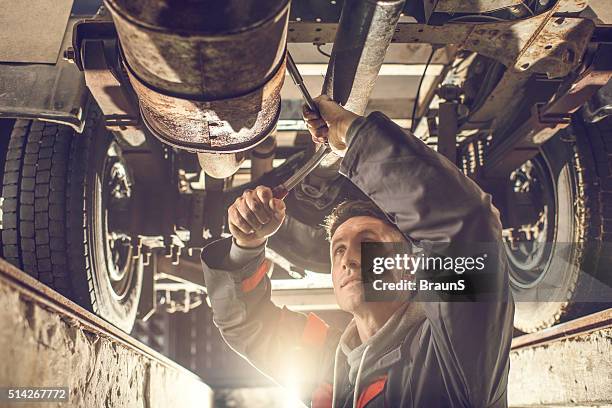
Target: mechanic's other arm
[[289, 347]]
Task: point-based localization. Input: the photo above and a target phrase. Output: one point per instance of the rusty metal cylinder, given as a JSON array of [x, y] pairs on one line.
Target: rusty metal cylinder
[[207, 73], [364, 33]]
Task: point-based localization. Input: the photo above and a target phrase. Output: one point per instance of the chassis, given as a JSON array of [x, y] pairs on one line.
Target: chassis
[[98, 207]]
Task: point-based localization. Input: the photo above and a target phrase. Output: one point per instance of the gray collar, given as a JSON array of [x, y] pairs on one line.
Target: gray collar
[[382, 345]]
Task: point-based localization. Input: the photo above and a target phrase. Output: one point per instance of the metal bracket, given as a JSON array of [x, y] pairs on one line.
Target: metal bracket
[[547, 119], [120, 110], [447, 130], [545, 43]]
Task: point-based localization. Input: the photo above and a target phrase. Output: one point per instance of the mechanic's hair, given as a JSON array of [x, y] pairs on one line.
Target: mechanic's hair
[[349, 209]]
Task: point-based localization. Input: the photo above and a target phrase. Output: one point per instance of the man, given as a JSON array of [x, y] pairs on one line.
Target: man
[[395, 353]]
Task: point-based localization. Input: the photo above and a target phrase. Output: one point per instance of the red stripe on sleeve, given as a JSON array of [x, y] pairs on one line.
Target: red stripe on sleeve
[[252, 281], [371, 392], [315, 331]]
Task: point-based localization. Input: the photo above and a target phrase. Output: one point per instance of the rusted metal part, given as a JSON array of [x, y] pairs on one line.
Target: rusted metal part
[[364, 34], [207, 82], [581, 326], [120, 112], [473, 6], [557, 47], [547, 119], [536, 45], [507, 95], [221, 53], [220, 165], [223, 126], [570, 6], [544, 43]]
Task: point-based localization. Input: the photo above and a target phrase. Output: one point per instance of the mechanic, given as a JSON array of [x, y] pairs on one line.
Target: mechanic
[[394, 353]]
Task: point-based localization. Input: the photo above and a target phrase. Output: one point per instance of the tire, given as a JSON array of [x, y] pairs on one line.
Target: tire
[[53, 210], [569, 275]]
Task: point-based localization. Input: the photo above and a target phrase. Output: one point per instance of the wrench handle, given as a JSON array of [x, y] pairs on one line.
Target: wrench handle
[[280, 192]]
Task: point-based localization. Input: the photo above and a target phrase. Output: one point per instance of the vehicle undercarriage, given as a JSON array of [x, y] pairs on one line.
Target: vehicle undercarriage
[[123, 150]]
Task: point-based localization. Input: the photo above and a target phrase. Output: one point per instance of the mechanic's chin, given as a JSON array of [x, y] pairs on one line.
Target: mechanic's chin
[[351, 296]]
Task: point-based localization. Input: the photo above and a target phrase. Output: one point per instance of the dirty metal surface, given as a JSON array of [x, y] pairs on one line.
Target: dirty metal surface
[[544, 43], [506, 96], [105, 87], [206, 82], [224, 126], [572, 370], [52, 92], [557, 48], [547, 119], [361, 42], [32, 33], [198, 64], [474, 6], [46, 340], [577, 327]]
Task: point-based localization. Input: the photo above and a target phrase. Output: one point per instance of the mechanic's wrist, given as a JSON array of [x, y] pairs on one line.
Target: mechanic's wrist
[[354, 129], [250, 243], [345, 125]]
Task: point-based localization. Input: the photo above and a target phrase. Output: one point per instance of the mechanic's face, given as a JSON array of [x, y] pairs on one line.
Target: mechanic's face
[[345, 252]]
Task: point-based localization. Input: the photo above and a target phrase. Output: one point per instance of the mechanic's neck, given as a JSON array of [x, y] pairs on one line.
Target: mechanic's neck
[[371, 317]]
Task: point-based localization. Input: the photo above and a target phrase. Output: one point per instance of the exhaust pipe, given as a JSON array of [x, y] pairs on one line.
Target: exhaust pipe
[[364, 33], [207, 73]]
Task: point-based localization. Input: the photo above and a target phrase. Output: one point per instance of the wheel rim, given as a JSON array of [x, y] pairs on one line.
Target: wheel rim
[[528, 241], [116, 198]]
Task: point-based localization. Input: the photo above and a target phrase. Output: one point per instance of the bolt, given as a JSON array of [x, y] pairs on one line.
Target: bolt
[[69, 54], [515, 10]]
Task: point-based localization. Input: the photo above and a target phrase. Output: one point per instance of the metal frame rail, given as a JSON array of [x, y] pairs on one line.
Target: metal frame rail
[[577, 327], [565, 365], [47, 340]]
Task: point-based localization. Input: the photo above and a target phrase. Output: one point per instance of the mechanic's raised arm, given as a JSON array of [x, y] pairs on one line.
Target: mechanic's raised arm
[[429, 199], [421, 191], [287, 346]]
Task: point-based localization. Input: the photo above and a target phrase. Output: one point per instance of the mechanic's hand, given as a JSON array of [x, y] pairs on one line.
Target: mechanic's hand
[[331, 125], [255, 216]]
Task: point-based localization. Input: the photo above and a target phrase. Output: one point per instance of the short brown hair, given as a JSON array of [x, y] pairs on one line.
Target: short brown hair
[[349, 209]]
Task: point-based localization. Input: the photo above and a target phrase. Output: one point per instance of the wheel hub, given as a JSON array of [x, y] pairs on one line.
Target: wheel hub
[[116, 204], [527, 239]]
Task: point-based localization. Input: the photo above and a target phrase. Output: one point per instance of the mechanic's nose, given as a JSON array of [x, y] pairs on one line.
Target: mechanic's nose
[[351, 259]]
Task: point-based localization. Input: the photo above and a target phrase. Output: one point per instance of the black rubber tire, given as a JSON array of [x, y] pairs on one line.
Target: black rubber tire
[[578, 275], [48, 214]]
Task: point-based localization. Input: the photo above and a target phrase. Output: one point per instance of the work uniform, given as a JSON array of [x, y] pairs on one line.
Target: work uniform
[[428, 354]]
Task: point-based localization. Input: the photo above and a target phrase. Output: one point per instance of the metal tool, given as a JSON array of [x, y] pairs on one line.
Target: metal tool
[[299, 82], [283, 189]]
